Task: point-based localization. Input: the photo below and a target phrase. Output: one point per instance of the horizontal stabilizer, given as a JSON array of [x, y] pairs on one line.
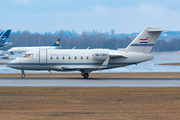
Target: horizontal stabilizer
[[155, 29]]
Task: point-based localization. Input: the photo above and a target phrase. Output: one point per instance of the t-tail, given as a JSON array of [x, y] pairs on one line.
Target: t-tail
[[4, 37], [145, 41], [57, 43]]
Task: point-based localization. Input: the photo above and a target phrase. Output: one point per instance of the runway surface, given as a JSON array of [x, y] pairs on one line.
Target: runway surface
[[94, 82]]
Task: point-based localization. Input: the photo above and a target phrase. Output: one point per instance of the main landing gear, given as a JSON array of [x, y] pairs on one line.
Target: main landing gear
[[22, 75], [85, 74]]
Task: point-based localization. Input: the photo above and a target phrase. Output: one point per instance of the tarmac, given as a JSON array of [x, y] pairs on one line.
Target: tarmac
[[91, 82]]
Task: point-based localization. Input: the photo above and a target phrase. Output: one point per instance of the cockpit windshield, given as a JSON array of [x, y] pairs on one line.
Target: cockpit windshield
[[28, 55]]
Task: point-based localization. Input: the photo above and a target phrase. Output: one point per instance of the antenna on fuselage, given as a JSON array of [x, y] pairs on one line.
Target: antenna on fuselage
[[74, 47], [88, 47]]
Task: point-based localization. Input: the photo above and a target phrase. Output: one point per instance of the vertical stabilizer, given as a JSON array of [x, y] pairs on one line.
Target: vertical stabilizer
[[4, 37], [145, 41], [57, 43], [1, 33]]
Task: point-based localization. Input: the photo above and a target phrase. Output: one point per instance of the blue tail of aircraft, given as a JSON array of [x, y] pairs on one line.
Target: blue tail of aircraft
[[57, 43], [4, 37], [2, 33]]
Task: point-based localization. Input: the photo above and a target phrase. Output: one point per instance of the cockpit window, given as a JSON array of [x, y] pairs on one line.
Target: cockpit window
[[28, 55]]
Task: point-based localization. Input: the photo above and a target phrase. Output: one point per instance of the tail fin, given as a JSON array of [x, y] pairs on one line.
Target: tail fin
[[2, 32], [5, 36], [57, 43], [145, 41]]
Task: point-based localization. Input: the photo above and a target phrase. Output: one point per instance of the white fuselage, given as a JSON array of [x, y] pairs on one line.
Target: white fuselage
[[77, 59], [26, 49]]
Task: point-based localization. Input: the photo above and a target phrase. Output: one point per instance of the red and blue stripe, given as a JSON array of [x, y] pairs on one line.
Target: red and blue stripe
[[143, 40]]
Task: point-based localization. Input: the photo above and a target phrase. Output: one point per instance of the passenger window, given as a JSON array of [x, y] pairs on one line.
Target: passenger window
[[75, 57], [87, 57], [81, 57], [57, 58], [51, 58], [69, 57], [63, 57], [29, 55]]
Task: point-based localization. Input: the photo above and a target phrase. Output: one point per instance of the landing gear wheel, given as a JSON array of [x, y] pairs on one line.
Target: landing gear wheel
[[23, 75], [86, 75]]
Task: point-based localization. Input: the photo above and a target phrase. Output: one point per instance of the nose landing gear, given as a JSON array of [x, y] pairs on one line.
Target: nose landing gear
[[22, 75]]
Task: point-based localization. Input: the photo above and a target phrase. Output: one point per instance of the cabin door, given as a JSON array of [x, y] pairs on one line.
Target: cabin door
[[42, 57]]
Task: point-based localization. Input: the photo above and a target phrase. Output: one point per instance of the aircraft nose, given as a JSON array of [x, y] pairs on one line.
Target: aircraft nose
[[9, 64], [13, 64]]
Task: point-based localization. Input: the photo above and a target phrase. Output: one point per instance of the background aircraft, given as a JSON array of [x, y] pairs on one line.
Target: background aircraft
[[88, 60], [2, 32], [4, 36], [25, 49]]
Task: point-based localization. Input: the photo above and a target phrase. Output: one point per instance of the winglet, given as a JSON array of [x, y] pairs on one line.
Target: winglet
[[105, 63]]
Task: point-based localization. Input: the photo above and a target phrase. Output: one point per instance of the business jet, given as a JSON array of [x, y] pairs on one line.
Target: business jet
[[25, 49], [88, 60], [4, 36]]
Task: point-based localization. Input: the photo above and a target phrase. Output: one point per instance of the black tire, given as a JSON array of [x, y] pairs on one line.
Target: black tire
[[23, 75], [86, 75]]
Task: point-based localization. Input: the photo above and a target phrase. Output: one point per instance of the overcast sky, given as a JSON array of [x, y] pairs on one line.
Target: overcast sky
[[124, 16]]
